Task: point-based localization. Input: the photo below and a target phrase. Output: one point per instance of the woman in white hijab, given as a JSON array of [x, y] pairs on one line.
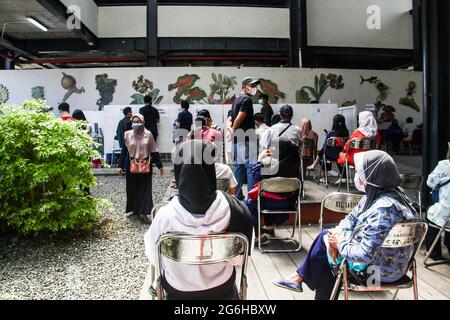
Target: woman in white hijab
[[368, 128]]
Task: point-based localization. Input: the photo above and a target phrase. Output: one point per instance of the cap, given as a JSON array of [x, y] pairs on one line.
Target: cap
[[250, 80], [204, 113], [286, 111]]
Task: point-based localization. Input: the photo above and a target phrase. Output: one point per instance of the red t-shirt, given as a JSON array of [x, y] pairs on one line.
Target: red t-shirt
[[66, 118]]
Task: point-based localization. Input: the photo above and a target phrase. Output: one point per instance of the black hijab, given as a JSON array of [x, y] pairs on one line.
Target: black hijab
[[339, 126], [195, 179], [382, 178], [288, 158]]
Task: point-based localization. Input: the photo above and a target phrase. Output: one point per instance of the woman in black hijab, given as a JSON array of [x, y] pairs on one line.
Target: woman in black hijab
[[198, 209], [282, 160], [339, 130], [359, 237]]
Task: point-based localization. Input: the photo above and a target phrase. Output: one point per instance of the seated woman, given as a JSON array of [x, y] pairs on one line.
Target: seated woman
[[368, 128], [439, 212], [198, 209], [339, 130], [359, 237], [394, 136], [283, 158]]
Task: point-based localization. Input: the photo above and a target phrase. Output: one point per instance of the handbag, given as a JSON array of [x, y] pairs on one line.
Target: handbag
[[139, 166]]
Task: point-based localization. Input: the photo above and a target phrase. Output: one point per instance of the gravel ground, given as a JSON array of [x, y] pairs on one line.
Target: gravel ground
[[107, 263]]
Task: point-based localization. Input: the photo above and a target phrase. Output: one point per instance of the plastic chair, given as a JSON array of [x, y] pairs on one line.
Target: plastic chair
[[281, 185], [332, 142], [414, 182], [200, 250], [402, 235], [223, 185], [442, 229], [338, 202], [361, 144]]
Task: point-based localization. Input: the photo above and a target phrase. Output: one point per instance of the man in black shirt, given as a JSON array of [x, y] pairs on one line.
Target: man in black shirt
[[266, 110], [241, 118], [151, 116], [124, 126], [183, 123]]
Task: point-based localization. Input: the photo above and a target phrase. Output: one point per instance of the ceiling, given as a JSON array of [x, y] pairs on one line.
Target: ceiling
[[14, 13], [263, 3]]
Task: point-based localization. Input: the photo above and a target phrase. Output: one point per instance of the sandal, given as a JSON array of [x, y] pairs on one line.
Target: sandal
[[147, 218]]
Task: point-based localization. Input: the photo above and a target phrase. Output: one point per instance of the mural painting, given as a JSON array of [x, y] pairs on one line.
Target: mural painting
[[409, 101], [308, 94], [38, 93], [383, 91], [106, 87], [4, 94], [271, 89], [186, 90], [144, 87], [69, 83], [222, 88]]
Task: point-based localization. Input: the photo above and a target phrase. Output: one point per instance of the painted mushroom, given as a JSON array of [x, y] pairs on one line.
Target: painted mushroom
[[70, 84]]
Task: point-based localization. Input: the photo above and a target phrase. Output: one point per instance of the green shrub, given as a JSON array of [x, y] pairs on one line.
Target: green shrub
[[44, 166]]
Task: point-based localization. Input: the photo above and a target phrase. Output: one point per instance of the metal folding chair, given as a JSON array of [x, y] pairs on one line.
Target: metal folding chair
[[444, 228], [116, 150], [332, 142], [414, 182], [338, 202], [223, 185], [200, 250], [362, 144], [281, 185], [402, 235]]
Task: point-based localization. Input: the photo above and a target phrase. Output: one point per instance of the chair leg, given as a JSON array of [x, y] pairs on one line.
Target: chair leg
[[435, 242], [345, 282], [348, 176], [395, 294], [414, 271]]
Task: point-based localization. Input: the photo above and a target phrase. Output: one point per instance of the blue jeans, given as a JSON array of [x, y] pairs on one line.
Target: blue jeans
[[242, 166]]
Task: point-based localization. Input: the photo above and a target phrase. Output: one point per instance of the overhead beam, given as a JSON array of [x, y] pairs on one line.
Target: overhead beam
[[152, 33], [59, 10]]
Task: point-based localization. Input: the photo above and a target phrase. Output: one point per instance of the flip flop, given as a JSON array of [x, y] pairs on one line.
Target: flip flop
[[289, 285]]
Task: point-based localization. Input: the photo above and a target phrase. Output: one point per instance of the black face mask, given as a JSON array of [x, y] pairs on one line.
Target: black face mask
[[196, 183]]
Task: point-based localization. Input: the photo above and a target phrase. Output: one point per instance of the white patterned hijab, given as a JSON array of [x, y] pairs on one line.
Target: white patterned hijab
[[367, 124]]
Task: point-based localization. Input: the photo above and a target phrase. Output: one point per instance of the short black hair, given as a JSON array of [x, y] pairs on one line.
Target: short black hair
[[185, 104], [79, 115], [265, 97], [126, 111], [64, 107], [258, 117], [148, 99], [409, 120]]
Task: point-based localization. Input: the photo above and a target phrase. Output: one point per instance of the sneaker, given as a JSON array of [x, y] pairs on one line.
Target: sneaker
[[263, 239], [289, 285], [270, 232], [341, 181]]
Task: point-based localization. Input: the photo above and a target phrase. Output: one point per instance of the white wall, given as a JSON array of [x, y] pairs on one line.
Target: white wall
[[122, 22], [343, 23], [89, 12]]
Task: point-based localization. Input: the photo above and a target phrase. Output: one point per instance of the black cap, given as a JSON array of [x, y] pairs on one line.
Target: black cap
[[287, 111], [250, 80], [204, 113]]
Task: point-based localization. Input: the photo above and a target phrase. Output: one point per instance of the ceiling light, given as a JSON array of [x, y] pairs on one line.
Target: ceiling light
[[37, 23]]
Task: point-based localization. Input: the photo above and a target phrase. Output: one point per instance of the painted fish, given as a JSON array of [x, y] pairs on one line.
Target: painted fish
[[370, 80]]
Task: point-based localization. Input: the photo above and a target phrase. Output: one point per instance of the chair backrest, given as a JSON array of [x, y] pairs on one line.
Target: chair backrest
[[406, 234], [280, 185], [411, 181], [341, 202], [223, 185], [363, 143], [335, 142], [202, 249]]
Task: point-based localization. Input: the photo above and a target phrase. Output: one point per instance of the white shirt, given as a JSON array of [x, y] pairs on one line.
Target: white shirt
[[174, 218], [293, 134], [224, 171], [408, 130]]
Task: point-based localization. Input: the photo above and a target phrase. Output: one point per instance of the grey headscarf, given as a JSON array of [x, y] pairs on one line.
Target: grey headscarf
[[381, 177]]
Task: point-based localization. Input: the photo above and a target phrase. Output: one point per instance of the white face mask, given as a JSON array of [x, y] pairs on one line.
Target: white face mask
[[261, 101], [358, 183], [253, 91]]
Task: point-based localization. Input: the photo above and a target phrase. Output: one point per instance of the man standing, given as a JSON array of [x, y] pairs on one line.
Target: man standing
[[266, 110], [242, 123], [124, 126], [284, 128], [151, 116], [183, 123]]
